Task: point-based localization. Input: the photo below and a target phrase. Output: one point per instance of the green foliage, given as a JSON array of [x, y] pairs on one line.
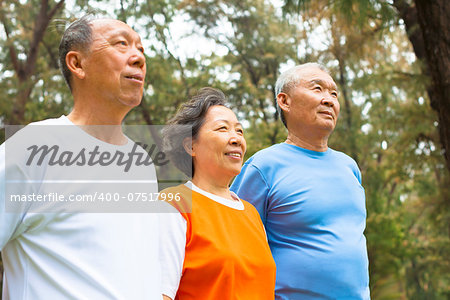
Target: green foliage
[[385, 123]]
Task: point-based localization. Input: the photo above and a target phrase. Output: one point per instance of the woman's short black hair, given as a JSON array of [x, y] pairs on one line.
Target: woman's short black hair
[[192, 115]]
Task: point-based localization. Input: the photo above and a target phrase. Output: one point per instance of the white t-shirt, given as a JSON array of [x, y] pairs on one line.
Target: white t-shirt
[[78, 255], [173, 240]]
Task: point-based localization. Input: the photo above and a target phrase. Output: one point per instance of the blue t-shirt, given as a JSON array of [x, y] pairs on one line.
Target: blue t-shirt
[[313, 207]]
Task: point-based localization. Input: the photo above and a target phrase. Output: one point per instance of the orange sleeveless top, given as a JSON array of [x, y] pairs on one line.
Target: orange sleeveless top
[[226, 255]]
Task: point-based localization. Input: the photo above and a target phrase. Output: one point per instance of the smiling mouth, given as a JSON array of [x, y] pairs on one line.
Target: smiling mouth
[[234, 154]]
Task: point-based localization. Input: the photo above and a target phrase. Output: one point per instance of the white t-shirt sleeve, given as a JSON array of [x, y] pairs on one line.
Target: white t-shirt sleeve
[[172, 249], [10, 223]]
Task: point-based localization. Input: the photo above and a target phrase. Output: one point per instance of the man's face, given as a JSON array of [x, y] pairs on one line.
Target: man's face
[[314, 105], [115, 64]]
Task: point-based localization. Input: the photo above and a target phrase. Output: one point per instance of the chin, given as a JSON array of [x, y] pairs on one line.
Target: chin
[[236, 172], [231, 173], [132, 102]]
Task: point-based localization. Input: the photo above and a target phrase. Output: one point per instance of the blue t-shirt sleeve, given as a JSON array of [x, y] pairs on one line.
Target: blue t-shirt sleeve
[[355, 168], [251, 186], [358, 173]]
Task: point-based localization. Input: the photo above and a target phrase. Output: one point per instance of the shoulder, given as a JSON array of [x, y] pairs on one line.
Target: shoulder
[[20, 131], [33, 132], [267, 156], [179, 196], [263, 165], [343, 158], [53, 121], [181, 189], [345, 161], [269, 151], [249, 207]]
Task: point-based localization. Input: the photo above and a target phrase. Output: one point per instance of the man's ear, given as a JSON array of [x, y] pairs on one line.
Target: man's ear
[[284, 102], [188, 146], [73, 62]]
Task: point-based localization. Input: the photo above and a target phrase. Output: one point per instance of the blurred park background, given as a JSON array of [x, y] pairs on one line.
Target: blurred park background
[[390, 59]]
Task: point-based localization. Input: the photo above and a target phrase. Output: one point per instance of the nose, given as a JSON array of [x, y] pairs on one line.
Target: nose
[[236, 139], [137, 58], [328, 100]]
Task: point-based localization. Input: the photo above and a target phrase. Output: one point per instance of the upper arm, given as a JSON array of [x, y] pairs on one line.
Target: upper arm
[[9, 222], [172, 251], [357, 171], [250, 185]]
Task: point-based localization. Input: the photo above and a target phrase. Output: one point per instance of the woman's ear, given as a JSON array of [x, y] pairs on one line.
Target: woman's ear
[[73, 62], [188, 146]]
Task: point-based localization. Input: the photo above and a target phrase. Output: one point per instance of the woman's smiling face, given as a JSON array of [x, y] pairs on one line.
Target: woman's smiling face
[[218, 150]]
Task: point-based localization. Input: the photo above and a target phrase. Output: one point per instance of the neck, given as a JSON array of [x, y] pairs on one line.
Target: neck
[[96, 114], [87, 118], [93, 108], [213, 187], [312, 142]]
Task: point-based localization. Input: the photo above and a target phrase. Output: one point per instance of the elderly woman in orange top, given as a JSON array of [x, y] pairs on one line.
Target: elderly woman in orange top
[[219, 249]]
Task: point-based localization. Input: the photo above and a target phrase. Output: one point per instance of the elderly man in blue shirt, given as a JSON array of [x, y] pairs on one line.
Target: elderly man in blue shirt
[[309, 196]]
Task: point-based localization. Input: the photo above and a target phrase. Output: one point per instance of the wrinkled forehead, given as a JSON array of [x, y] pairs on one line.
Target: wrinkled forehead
[[218, 114], [316, 75], [109, 27]]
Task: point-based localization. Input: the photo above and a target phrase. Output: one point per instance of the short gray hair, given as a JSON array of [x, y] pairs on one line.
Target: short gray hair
[[290, 79], [78, 36]]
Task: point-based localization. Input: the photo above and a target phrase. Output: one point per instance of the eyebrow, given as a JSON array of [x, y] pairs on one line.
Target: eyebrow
[[228, 122], [323, 83], [125, 34]]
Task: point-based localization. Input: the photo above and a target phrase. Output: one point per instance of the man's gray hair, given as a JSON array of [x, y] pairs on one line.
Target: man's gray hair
[[78, 36], [290, 79]]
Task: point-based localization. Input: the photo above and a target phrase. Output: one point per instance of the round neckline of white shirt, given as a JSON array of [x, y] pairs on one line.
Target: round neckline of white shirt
[[128, 145], [234, 204]]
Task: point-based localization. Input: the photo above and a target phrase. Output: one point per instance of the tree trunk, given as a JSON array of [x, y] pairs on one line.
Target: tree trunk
[[434, 20], [428, 28]]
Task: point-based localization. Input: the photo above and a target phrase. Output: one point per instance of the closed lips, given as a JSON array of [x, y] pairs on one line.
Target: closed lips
[[327, 113], [135, 77]]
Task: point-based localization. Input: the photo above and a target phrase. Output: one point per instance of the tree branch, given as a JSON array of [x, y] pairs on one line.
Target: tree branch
[[163, 39], [42, 21], [55, 9], [52, 55], [12, 50], [148, 120]]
